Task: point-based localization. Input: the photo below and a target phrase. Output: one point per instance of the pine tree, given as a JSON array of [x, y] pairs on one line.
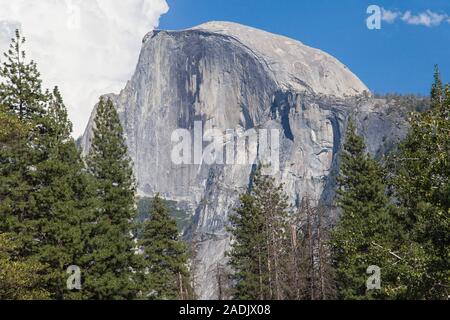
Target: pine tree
[[259, 230], [64, 200], [421, 184], [363, 235], [21, 90], [113, 258], [22, 101], [165, 256], [43, 190], [437, 92], [248, 253], [21, 98]]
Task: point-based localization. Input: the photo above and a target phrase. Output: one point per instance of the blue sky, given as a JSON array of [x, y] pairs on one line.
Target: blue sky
[[397, 58]]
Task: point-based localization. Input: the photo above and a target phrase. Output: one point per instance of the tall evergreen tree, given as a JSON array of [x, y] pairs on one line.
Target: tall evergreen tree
[[165, 256], [259, 229], [21, 90], [22, 101], [248, 251], [363, 235], [43, 188], [64, 200], [113, 258], [422, 186], [437, 91]]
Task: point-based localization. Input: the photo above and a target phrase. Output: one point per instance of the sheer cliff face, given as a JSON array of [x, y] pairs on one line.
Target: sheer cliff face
[[229, 76]]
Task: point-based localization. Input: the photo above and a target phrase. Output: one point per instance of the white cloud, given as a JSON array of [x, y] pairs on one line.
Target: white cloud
[[86, 47], [427, 18], [389, 16]]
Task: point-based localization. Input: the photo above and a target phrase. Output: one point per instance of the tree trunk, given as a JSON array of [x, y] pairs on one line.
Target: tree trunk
[[180, 280]]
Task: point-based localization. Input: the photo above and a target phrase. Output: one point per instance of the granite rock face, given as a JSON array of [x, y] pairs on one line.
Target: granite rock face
[[228, 76]]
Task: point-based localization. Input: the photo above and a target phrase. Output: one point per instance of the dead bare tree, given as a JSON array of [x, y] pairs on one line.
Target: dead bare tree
[[224, 285], [190, 289], [309, 273], [326, 288]]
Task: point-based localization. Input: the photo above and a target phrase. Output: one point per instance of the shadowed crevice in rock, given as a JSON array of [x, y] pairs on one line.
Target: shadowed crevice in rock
[[281, 109]]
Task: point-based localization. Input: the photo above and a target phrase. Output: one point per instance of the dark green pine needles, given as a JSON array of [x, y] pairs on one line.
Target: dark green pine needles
[[364, 233], [165, 257], [112, 249]]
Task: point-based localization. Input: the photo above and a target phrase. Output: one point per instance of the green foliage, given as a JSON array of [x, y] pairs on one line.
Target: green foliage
[[21, 90], [364, 233], [421, 184], [19, 278], [12, 130], [21, 99], [111, 247], [181, 216], [405, 103], [247, 255], [259, 229], [63, 200], [165, 257], [43, 188]]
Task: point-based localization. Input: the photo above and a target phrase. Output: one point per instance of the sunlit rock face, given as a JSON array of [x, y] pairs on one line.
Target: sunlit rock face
[[231, 77]]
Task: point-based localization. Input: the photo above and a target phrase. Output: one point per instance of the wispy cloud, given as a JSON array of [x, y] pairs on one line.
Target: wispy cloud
[[389, 16], [427, 18]]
